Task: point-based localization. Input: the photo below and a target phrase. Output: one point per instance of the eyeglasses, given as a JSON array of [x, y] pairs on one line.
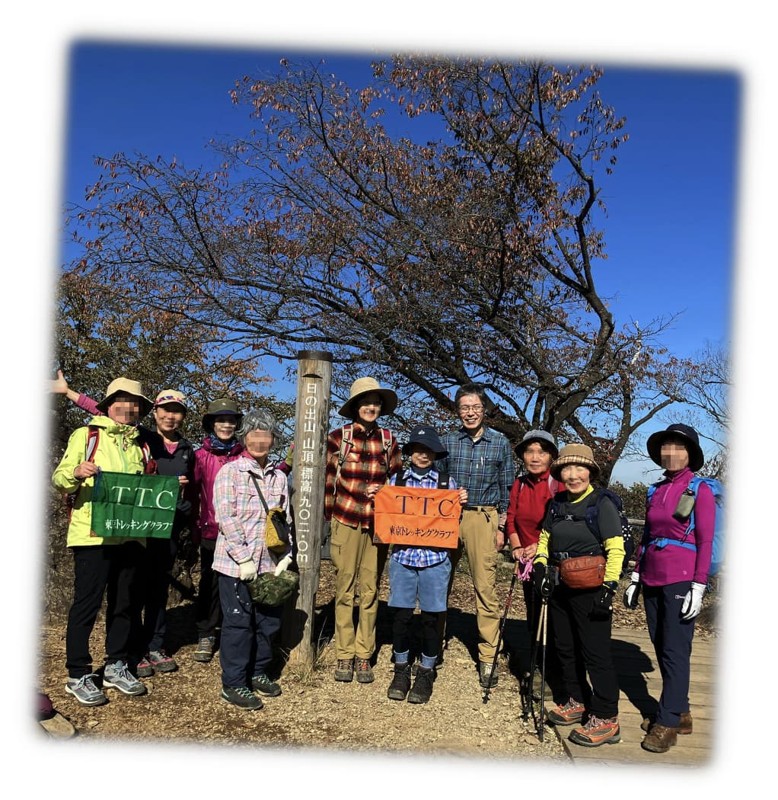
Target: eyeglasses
[[466, 409]]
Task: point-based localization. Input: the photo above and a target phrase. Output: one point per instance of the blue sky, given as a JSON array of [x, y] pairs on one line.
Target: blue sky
[[671, 199], [662, 34]]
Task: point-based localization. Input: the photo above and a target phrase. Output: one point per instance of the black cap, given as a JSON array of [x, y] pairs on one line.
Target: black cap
[[427, 436]]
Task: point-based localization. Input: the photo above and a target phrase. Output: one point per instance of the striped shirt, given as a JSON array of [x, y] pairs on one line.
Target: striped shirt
[[241, 515], [365, 463], [483, 466], [411, 555]]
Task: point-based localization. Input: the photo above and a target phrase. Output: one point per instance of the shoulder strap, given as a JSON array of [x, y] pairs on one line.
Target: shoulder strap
[[399, 478], [346, 441], [259, 492], [92, 440], [443, 480]]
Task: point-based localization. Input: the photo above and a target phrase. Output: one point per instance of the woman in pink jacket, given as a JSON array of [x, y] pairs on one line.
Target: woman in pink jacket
[[219, 447]]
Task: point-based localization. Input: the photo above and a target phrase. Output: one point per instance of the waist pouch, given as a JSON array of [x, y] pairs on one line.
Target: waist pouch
[[582, 572]]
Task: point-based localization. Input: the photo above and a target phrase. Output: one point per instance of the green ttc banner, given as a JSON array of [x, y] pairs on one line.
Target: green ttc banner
[[134, 505]]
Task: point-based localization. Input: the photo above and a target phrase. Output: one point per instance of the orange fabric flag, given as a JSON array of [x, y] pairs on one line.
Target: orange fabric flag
[[414, 516]]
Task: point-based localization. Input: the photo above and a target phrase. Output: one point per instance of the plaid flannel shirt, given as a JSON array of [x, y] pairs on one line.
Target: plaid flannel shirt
[[365, 463], [484, 467]]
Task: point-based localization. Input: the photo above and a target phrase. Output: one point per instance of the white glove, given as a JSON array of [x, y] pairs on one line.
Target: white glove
[[633, 591], [692, 603], [248, 570], [283, 564]]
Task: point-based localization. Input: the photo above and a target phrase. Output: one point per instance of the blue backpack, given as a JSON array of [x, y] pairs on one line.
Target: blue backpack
[[717, 551]]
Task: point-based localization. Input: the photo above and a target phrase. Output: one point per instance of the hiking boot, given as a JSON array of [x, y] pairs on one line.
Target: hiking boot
[[160, 661], [364, 670], [144, 668], [85, 690], [344, 671], [242, 697], [660, 738], [422, 686], [401, 682], [204, 650], [118, 676], [684, 726], [484, 671], [568, 714], [262, 684], [596, 732]]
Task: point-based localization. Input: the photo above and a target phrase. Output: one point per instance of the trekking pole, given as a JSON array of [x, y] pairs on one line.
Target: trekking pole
[[508, 602], [544, 627]]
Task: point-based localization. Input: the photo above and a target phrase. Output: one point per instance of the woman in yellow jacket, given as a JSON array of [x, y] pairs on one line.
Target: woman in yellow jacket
[[580, 611], [108, 443]]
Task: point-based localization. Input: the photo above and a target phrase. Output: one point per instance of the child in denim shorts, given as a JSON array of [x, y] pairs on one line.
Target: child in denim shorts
[[418, 574]]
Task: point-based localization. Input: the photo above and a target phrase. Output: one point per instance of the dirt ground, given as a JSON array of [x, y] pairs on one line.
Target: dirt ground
[[316, 713]]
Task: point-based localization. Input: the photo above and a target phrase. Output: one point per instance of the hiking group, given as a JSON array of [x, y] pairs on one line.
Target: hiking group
[[566, 537]]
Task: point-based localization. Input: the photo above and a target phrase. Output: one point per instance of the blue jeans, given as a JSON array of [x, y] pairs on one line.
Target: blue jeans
[[247, 634]]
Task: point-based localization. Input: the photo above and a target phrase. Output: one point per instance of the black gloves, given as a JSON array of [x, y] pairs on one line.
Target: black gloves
[[603, 601], [540, 579]]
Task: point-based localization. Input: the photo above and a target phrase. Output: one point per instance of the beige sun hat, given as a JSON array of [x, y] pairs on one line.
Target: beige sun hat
[[362, 386], [580, 454], [127, 386]]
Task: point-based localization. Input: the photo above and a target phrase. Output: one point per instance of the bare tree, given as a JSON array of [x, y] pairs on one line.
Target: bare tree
[[464, 247]]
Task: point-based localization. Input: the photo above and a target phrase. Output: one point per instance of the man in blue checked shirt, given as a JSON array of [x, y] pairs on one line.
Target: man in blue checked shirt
[[481, 460], [419, 574]]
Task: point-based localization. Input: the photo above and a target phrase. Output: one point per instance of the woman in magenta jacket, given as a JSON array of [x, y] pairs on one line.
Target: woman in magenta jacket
[[219, 446], [671, 567]]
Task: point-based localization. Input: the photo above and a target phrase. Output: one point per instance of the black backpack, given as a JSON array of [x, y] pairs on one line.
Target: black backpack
[[592, 516], [442, 479]]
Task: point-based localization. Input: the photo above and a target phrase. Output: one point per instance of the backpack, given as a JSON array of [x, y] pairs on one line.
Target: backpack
[[717, 551], [443, 479], [347, 442], [591, 517]]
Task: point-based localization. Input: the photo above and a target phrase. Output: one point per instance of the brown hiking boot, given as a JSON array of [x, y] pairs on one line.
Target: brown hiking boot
[[596, 732], [344, 671], [568, 714], [660, 738], [684, 726], [364, 670]]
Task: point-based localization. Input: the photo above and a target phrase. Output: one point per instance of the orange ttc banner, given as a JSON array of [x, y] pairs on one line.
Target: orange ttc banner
[[419, 517]]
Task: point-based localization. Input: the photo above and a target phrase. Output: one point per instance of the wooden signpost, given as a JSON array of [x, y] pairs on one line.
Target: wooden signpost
[[312, 411]]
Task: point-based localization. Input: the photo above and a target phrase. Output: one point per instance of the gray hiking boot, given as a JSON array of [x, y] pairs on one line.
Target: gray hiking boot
[[242, 697], [204, 650], [85, 690], [262, 684], [118, 676], [485, 675]]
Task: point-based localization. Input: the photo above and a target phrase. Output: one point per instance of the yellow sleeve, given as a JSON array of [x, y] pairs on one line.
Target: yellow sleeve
[[614, 555], [541, 555], [63, 479]]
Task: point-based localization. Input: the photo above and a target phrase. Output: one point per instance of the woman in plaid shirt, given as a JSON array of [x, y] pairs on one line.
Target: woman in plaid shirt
[[248, 629], [361, 457]]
